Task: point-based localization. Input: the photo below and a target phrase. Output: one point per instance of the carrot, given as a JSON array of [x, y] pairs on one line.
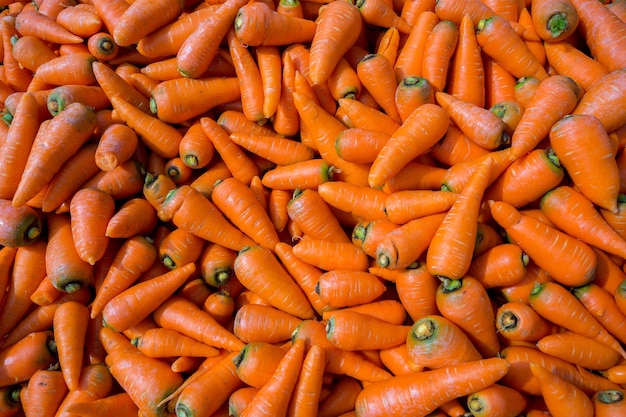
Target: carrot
[[44, 28], [327, 47], [68, 69], [180, 314], [596, 355], [26, 356], [344, 288], [80, 21], [276, 149], [162, 343], [343, 326], [438, 51], [102, 46], [376, 75], [518, 321], [585, 323], [91, 95], [412, 92], [541, 112], [568, 60], [503, 264], [602, 304], [601, 192], [70, 326], [451, 257], [599, 23], [260, 323], [114, 85], [342, 399], [277, 286], [561, 397], [239, 400], [307, 391], [201, 45], [129, 366], [116, 146], [30, 51], [43, 393], [268, 400], [602, 100], [415, 393], [329, 254], [360, 201], [122, 182], [527, 172], [510, 111], [50, 150], [554, 22], [543, 249], [15, 77], [270, 67], [179, 247], [416, 291], [367, 234], [456, 147], [121, 403], [91, 210], [362, 116], [404, 145], [608, 403], [21, 226], [453, 11], [410, 57], [403, 206], [388, 44], [382, 14], [496, 399], [499, 41], [256, 24], [256, 362], [132, 24]]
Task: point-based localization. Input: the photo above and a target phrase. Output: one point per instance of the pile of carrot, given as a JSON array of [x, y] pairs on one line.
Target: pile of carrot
[[325, 208]]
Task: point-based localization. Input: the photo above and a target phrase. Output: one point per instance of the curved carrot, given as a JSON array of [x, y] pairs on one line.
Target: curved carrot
[[604, 100], [423, 392], [308, 389], [454, 11], [543, 250], [380, 14], [568, 60]]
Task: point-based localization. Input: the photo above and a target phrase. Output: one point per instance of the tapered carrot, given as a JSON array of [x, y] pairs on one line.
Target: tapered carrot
[[43, 393], [30, 51], [131, 26], [543, 110], [456, 147], [280, 150], [256, 362], [410, 57], [68, 69], [605, 189], [121, 403], [360, 115], [406, 144], [419, 393], [450, 251], [200, 47], [568, 60], [114, 85], [499, 83], [161, 343], [501, 265], [15, 77], [561, 396], [520, 227], [508, 50], [328, 254], [342, 399], [343, 326], [344, 287], [89, 224], [307, 391], [496, 399], [277, 286], [416, 291], [603, 96], [261, 323], [91, 95], [180, 314], [608, 403], [45, 158], [596, 356], [376, 75], [479, 124], [453, 11], [21, 226], [435, 341], [122, 182], [29, 354], [573, 314], [594, 24], [406, 205], [380, 14], [519, 321], [70, 326], [80, 21], [438, 51], [41, 26], [603, 305], [179, 247]]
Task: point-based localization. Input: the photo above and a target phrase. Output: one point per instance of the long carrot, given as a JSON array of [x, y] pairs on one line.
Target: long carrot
[[70, 326], [376, 75], [114, 85], [28, 355], [41, 26], [543, 249], [561, 397], [422, 392], [438, 52], [143, 17], [596, 355], [467, 73]]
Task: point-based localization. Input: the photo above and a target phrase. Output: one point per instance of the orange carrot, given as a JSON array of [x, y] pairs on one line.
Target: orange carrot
[[70, 326], [453, 11], [608, 403], [143, 17], [568, 60], [91, 210], [28, 355], [261, 323], [343, 326], [603, 99], [467, 73], [179, 247], [410, 57], [380, 13], [21, 225], [41, 26], [43, 393], [115, 86], [596, 355], [518, 321], [501, 265], [160, 343], [30, 51], [344, 288], [561, 397], [496, 399], [438, 51]]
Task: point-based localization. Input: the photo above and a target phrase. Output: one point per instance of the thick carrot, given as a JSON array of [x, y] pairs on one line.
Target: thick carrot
[[467, 73], [277, 286], [407, 143], [344, 326], [44, 28], [361, 115], [256, 362], [604, 100], [596, 356], [43, 393], [260, 323], [21, 226], [603, 305], [543, 249], [344, 288], [70, 326], [409, 60], [561, 397], [376, 75], [454, 11], [496, 399], [361, 201], [421, 393], [142, 18], [116, 86], [121, 403], [90, 210], [162, 343], [438, 52], [500, 265], [338, 27], [28, 355], [180, 247], [519, 321], [30, 51], [554, 21], [381, 13], [608, 403]]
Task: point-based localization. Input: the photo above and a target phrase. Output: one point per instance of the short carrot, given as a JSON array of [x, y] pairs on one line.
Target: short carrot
[[89, 224], [343, 326], [603, 96], [131, 26], [179, 247], [21, 226], [496, 399], [255, 363], [454, 11], [376, 75], [596, 355], [380, 14], [561, 397], [28, 355], [608, 403], [438, 52], [568, 60], [500, 265], [115, 86], [161, 343], [260, 323], [343, 288], [44, 391], [70, 326], [519, 321]]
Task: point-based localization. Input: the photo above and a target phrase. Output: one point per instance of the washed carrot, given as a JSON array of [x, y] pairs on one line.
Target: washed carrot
[[29, 354], [604, 190], [344, 288], [466, 71], [30, 51], [406, 144], [455, 147], [327, 46], [383, 397], [438, 52], [410, 11], [388, 44], [15, 77], [43, 393], [260, 323], [220, 305], [162, 343], [115, 86], [410, 57], [376, 75], [510, 111], [541, 112], [601, 97], [91, 210], [361, 115], [179, 247], [131, 26], [68, 69], [277, 286], [479, 124], [70, 326], [116, 146], [80, 21], [329, 254], [595, 24], [403, 206], [382, 14], [256, 362], [519, 321], [21, 226], [416, 291], [239, 400], [499, 41], [453, 11], [601, 303], [179, 314], [450, 251], [41, 26], [367, 234], [608, 403], [102, 46], [387, 310], [543, 250], [121, 403], [341, 401], [45, 158], [568, 60], [527, 172], [496, 400], [501, 265], [216, 264], [122, 182], [308, 389], [343, 326], [560, 396], [596, 356]]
